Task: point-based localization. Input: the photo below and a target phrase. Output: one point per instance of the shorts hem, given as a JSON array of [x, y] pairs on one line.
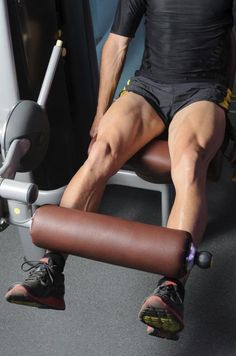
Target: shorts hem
[[153, 104]]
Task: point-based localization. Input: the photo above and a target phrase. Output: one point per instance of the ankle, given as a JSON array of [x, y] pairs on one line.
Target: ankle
[[44, 259], [56, 259]]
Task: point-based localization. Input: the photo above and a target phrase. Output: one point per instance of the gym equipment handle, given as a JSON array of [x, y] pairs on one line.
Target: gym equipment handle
[[20, 191]]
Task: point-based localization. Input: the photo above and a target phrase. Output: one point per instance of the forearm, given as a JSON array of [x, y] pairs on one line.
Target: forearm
[[112, 61]]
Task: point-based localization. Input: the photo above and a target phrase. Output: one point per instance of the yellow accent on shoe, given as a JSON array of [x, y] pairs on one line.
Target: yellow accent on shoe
[[152, 321], [169, 324], [166, 324]]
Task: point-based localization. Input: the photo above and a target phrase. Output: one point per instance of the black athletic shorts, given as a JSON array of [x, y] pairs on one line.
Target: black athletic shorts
[[167, 99]]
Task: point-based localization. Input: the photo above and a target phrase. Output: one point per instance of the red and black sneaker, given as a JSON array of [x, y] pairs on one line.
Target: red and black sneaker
[[44, 287], [163, 310]]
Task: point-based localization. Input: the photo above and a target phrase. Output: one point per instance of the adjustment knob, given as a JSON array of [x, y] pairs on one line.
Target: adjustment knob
[[203, 259]]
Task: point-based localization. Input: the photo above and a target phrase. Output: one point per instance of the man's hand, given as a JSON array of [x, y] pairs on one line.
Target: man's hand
[[112, 60], [94, 127], [94, 130], [91, 143]]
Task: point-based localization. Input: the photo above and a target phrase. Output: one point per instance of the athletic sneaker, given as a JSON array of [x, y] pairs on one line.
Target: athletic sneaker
[[44, 287], [163, 310]]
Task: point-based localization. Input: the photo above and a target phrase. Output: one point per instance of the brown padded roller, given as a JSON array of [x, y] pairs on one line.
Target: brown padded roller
[[113, 240], [152, 162]]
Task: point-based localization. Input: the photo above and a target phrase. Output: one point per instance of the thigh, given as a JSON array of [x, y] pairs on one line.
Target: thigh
[[199, 127], [128, 125]]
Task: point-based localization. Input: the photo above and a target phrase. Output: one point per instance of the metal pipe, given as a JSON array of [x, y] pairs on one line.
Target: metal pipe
[[50, 72]]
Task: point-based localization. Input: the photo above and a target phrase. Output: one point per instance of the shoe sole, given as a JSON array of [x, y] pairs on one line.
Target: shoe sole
[[162, 334], [27, 299], [161, 316]]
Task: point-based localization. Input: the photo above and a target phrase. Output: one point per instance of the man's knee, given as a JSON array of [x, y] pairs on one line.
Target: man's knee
[[190, 166], [102, 159]]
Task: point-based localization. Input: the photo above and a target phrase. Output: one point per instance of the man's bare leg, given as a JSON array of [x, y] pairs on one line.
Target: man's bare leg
[[195, 135], [127, 126]]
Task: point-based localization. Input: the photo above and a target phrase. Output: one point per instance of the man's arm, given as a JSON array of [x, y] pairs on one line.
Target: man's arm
[[127, 18], [112, 61]]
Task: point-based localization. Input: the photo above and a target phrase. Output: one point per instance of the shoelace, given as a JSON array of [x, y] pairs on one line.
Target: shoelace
[[37, 267], [172, 289]]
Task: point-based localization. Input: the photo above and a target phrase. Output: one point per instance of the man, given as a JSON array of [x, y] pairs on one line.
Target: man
[[182, 86]]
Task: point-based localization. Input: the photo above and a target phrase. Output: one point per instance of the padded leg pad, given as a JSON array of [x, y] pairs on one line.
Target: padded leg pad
[[113, 240]]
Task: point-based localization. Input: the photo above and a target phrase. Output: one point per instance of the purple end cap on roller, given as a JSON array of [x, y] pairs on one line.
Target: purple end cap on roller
[[190, 257]]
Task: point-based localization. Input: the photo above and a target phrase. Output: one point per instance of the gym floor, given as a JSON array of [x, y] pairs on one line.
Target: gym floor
[[102, 301]]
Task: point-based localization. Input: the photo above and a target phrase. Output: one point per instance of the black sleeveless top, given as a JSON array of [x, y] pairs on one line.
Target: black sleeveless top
[[186, 40]]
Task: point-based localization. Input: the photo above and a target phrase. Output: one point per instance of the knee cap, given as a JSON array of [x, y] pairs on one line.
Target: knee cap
[[189, 166], [100, 159]]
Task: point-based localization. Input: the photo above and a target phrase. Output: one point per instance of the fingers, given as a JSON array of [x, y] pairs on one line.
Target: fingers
[[91, 143], [95, 124], [93, 131]]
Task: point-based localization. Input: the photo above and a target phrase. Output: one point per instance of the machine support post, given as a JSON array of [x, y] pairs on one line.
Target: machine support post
[[50, 72]]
